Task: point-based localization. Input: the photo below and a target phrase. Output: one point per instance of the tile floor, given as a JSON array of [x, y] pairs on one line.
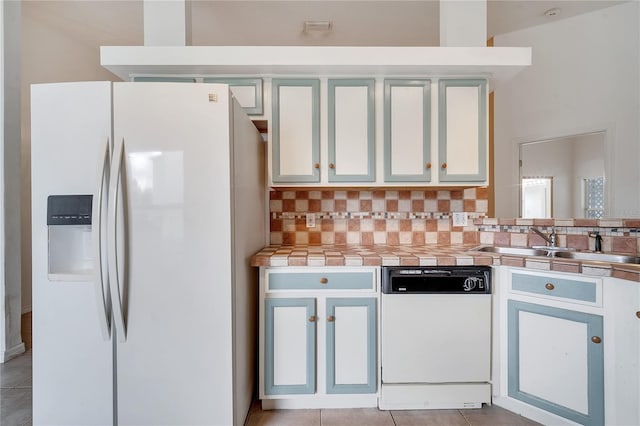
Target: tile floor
[[487, 416], [16, 393]]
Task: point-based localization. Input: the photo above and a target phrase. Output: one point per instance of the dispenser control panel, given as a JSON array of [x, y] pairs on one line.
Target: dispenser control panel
[[69, 209]]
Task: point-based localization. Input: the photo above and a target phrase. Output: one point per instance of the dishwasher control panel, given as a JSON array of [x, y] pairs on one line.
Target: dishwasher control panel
[[434, 280]]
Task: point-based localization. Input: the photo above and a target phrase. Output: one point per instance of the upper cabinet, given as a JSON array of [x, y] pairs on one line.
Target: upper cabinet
[[351, 137], [462, 147], [248, 92], [295, 138], [407, 131], [378, 132]]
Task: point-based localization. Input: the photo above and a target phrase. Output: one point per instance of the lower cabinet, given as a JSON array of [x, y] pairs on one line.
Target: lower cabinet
[[290, 346], [318, 343], [351, 345], [566, 347], [556, 361]]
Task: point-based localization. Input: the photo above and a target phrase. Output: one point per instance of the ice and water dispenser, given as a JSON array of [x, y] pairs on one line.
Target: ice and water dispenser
[[70, 245]]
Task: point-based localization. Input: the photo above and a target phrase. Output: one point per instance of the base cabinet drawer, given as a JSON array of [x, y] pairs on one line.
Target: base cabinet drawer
[[352, 280], [556, 361], [587, 291]]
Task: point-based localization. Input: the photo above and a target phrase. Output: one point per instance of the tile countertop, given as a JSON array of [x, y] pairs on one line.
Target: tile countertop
[[431, 255]]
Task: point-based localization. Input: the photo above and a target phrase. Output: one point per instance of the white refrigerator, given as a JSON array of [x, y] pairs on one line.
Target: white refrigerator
[[147, 203]]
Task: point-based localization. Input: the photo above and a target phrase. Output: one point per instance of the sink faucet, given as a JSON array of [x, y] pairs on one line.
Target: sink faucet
[[551, 239]]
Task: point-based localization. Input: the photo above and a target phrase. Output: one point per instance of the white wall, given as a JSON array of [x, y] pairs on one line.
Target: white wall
[[11, 341], [49, 54], [584, 78]]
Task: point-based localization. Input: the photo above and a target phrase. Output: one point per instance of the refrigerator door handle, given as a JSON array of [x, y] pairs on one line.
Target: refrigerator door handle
[[96, 230], [112, 229]]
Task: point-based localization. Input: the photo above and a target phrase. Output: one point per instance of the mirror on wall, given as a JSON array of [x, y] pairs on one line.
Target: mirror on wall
[[537, 195], [563, 177]]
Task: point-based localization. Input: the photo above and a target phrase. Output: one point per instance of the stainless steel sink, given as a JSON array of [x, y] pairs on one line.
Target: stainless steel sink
[[553, 249], [563, 253], [602, 257], [519, 251]]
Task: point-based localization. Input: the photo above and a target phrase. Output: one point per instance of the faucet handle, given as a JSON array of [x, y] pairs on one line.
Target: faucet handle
[[598, 243]]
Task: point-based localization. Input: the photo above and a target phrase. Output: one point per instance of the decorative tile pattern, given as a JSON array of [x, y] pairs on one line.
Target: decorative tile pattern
[[394, 217], [423, 217]]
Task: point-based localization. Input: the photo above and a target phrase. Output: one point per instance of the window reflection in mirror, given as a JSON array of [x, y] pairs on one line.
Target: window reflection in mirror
[[563, 178], [536, 197], [593, 197]]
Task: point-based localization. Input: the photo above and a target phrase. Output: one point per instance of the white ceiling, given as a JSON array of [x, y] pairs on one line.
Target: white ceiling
[[240, 22]]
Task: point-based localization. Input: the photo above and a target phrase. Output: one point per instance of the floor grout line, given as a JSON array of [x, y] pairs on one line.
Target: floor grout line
[[464, 417]]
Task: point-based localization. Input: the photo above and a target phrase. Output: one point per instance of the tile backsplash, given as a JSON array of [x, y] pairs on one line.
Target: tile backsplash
[[392, 217], [618, 235], [418, 217]]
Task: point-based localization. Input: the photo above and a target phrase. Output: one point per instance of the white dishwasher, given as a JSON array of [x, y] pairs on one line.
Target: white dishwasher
[[436, 337]]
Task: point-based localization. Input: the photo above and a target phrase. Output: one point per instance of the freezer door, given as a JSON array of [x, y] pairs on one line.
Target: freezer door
[[72, 352], [174, 356]]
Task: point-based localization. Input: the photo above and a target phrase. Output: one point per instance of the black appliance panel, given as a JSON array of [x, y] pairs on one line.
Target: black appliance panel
[[69, 209], [436, 280]]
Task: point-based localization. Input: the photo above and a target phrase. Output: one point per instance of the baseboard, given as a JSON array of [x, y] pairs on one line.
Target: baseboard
[[531, 412], [322, 401], [429, 396], [26, 309], [12, 352]]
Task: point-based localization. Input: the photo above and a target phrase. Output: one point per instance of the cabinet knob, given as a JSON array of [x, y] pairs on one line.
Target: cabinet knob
[[316, 166], [444, 165], [638, 314], [549, 286], [312, 318], [428, 166], [324, 280], [596, 339], [332, 166], [331, 318]]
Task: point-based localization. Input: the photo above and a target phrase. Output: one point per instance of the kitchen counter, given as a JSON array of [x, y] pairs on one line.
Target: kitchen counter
[[431, 255]]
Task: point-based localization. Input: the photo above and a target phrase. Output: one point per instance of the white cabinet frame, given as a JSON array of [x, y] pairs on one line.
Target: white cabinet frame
[[350, 127], [286, 116], [405, 124], [457, 143]]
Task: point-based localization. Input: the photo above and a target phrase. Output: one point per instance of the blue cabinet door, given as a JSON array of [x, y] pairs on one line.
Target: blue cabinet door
[[556, 361], [295, 136], [462, 128], [290, 346], [407, 130], [351, 345], [351, 119]]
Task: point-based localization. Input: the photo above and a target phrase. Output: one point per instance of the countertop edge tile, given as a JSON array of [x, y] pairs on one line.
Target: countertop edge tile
[[429, 255]]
